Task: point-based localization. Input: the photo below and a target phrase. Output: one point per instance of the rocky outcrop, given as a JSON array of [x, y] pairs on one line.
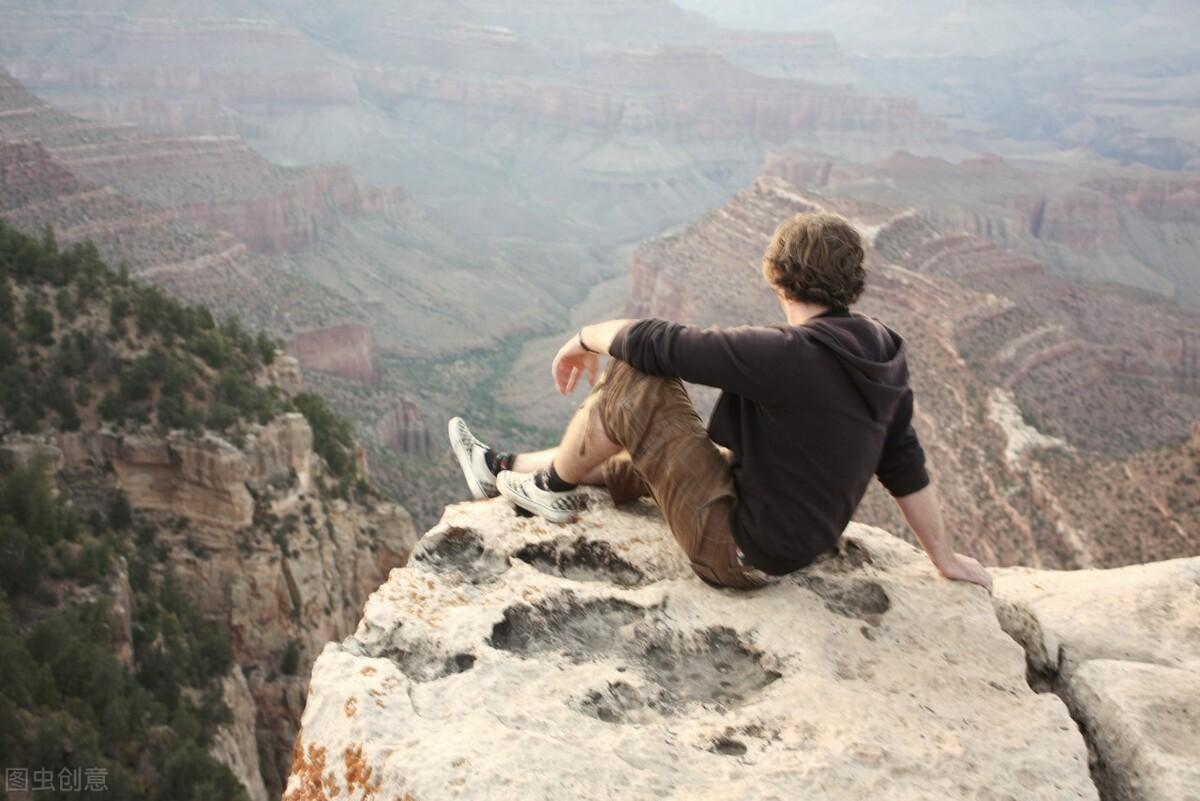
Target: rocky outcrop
[[206, 480], [254, 537], [345, 350], [284, 372], [1121, 647], [26, 451], [593, 651]]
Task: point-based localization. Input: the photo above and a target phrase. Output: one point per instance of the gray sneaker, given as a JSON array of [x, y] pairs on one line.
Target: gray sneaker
[[557, 507], [469, 451]]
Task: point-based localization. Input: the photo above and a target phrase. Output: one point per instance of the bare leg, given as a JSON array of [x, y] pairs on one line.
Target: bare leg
[[540, 460], [534, 461], [585, 447]]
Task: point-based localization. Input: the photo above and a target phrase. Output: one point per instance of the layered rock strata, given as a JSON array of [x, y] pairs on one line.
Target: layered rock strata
[[592, 652], [258, 544], [346, 350], [1130, 225]]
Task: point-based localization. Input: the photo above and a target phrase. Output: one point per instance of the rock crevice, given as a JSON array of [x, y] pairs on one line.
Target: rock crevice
[[1121, 648]]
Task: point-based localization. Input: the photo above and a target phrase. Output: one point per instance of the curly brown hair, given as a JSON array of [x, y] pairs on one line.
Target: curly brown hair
[[816, 258]]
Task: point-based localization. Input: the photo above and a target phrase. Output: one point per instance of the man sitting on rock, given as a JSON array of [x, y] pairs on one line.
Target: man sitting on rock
[[809, 411]]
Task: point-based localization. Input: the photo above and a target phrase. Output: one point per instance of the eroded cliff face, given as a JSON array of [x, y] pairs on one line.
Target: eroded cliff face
[[44, 168], [593, 652], [1052, 412], [1130, 225], [258, 543], [346, 350]]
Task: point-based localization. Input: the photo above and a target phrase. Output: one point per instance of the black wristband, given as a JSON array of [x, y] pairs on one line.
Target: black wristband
[[583, 344]]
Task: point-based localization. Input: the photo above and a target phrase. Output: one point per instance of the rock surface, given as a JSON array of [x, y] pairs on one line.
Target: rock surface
[[1122, 647], [516, 659]]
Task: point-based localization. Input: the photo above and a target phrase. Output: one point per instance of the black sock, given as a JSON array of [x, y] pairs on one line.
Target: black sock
[[497, 461], [550, 481]]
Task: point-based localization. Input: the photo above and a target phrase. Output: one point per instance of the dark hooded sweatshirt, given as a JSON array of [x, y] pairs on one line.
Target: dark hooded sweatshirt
[[809, 411]]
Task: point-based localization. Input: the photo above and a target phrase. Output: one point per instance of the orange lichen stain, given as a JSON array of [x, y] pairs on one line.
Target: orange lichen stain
[[368, 671], [358, 774], [308, 766], [351, 706]]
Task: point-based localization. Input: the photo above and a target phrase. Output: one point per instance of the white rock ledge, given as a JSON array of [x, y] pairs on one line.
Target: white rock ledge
[[1122, 647], [516, 659]]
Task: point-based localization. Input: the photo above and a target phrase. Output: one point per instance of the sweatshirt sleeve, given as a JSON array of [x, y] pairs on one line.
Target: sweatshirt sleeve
[[901, 467], [742, 359]]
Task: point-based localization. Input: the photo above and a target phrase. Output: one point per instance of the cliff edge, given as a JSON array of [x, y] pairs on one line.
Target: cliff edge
[[512, 658]]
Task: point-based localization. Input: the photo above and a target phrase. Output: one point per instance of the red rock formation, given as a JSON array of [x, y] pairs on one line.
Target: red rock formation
[[346, 350], [52, 172], [403, 428], [292, 219]]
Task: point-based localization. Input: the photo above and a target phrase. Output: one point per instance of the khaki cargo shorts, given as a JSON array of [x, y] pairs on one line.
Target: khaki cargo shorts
[[668, 455]]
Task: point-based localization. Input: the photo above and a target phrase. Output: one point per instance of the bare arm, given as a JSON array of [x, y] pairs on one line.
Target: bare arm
[[600, 336], [923, 511]]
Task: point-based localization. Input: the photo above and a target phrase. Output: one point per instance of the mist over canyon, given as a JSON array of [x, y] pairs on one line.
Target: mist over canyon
[[403, 209]]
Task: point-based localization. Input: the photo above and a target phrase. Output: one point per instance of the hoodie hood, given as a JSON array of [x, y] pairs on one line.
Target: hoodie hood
[[874, 357]]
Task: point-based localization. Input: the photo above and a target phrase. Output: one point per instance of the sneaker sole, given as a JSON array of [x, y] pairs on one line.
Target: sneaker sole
[[464, 461], [530, 505]]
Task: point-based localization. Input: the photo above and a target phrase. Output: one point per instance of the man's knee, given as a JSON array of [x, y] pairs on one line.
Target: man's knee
[[622, 378]]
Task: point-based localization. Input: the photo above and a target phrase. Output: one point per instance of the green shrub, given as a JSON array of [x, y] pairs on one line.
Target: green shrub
[[39, 322], [333, 438]]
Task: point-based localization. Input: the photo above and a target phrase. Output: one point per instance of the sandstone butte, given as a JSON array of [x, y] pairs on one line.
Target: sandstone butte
[[515, 659]]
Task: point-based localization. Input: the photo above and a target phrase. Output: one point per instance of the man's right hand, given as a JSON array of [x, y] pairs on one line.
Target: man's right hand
[[570, 362], [964, 568]]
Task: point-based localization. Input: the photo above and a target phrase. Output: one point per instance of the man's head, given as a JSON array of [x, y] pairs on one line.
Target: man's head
[[816, 259]]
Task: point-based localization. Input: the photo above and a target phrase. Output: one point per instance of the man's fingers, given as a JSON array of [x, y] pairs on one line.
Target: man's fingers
[[572, 380]]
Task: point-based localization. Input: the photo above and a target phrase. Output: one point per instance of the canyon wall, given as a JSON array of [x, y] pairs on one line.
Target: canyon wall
[[1052, 413], [261, 547], [153, 223], [613, 123], [1129, 225]]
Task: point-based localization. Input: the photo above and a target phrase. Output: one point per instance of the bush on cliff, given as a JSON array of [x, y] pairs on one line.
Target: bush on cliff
[[67, 701], [162, 362]]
